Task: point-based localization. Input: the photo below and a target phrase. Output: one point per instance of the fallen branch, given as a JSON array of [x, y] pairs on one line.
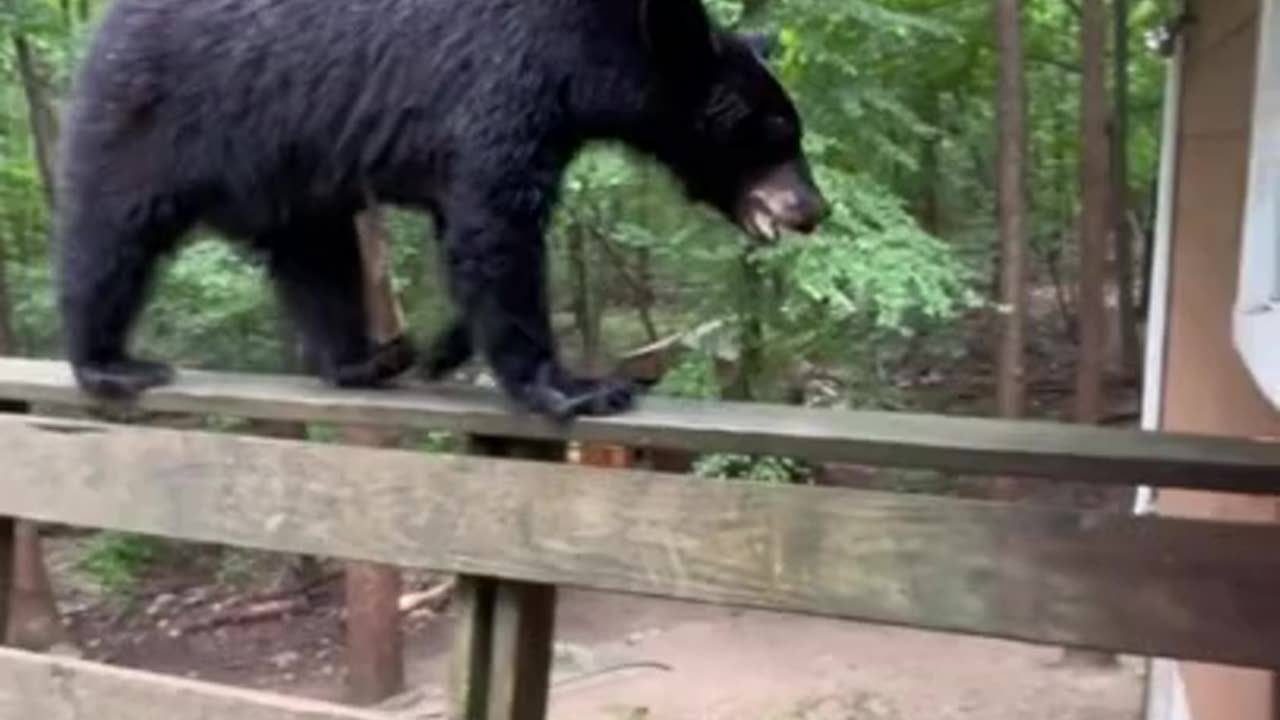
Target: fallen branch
[[433, 597], [255, 613]]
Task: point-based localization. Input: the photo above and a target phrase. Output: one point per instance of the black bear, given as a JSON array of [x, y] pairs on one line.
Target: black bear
[[275, 122]]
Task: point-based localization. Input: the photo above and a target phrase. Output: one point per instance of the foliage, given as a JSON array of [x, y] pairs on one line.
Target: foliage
[[764, 468], [116, 560]]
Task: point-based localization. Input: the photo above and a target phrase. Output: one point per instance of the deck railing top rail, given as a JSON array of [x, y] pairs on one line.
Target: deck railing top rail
[[958, 444]]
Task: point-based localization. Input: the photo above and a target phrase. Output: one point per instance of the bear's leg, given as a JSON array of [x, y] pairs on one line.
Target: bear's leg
[[316, 264], [448, 351], [105, 271], [497, 274]]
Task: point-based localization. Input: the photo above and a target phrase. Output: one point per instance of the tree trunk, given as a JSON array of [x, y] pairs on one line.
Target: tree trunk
[[753, 291], [751, 302], [1120, 229], [34, 621], [375, 643], [40, 111], [583, 299], [1093, 232], [1093, 240], [929, 209], [8, 341], [1012, 209]]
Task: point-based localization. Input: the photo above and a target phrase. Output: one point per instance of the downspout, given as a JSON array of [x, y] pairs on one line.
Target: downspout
[[1161, 264], [1165, 696]]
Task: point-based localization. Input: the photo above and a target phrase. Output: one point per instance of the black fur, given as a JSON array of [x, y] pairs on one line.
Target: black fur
[[270, 120]]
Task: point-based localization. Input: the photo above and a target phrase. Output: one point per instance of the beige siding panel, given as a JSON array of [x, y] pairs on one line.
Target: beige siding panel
[[1207, 388]]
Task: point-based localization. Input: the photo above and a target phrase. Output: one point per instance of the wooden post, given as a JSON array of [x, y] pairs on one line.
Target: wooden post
[[505, 635], [28, 614], [521, 651], [8, 527], [8, 536], [375, 639]]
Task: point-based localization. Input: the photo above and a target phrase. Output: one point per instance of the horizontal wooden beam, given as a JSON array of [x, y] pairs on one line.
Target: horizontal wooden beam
[[49, 688], [1145, 585], [959, 444]]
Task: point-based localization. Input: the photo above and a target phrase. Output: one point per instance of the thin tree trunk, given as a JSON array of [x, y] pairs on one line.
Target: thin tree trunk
[[8, 340], [1093, 231], [929, 210], [585, 313], [751, 300], [1012, 202], [1093, 240], [1120, 230], [34, 619], [753, 291], [645, 294], [40, 111]]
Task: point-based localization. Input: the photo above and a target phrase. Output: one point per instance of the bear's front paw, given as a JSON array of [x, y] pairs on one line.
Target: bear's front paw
[[560, 396], [394, 358], [389, 360], [123, 378]]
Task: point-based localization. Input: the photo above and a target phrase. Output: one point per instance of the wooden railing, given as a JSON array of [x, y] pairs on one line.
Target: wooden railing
[[515, 528]]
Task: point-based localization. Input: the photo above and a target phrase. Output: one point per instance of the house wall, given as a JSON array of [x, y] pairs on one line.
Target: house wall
[[1207, 389]]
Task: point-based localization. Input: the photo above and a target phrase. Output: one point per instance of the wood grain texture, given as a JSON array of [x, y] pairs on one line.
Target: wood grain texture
[[522, 617], [38, 687], [470, 658], [1148, 585], [960, 444], [374, 635], [8, 535], [523, 639]]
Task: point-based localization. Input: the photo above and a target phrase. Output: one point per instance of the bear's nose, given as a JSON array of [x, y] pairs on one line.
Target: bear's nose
[[806, 211]]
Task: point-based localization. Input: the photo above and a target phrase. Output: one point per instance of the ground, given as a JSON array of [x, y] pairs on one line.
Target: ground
[[617, 657]]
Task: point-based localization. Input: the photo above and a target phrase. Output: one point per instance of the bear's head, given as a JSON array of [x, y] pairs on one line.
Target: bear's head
[[731, 133]]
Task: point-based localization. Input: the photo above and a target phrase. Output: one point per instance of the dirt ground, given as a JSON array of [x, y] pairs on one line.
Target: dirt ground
[[632, 658]]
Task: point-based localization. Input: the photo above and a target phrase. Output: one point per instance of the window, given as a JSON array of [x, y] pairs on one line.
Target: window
[[1256, 322]]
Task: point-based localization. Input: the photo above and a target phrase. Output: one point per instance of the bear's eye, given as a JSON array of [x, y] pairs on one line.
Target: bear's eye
[[778, 128]]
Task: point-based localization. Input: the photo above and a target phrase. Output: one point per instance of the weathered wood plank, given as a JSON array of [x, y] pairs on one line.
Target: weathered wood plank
[[471, 655], [375, 637], [522, 616], [48, 688], [1148, 585], [8, 536], [523, 639], [961, 444]]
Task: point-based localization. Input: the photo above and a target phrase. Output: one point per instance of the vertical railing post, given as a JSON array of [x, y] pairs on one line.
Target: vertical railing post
[[8, 546], [506, 631]]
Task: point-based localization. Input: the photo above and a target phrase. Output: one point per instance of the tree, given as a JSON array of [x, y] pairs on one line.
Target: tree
[[34, 620], [1012, 212], [8, 343], [1094, 183], [1121, 230], [1093, 238]]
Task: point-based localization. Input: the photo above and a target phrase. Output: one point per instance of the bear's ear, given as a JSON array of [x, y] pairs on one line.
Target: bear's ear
[[764, 44], [677, 33]]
